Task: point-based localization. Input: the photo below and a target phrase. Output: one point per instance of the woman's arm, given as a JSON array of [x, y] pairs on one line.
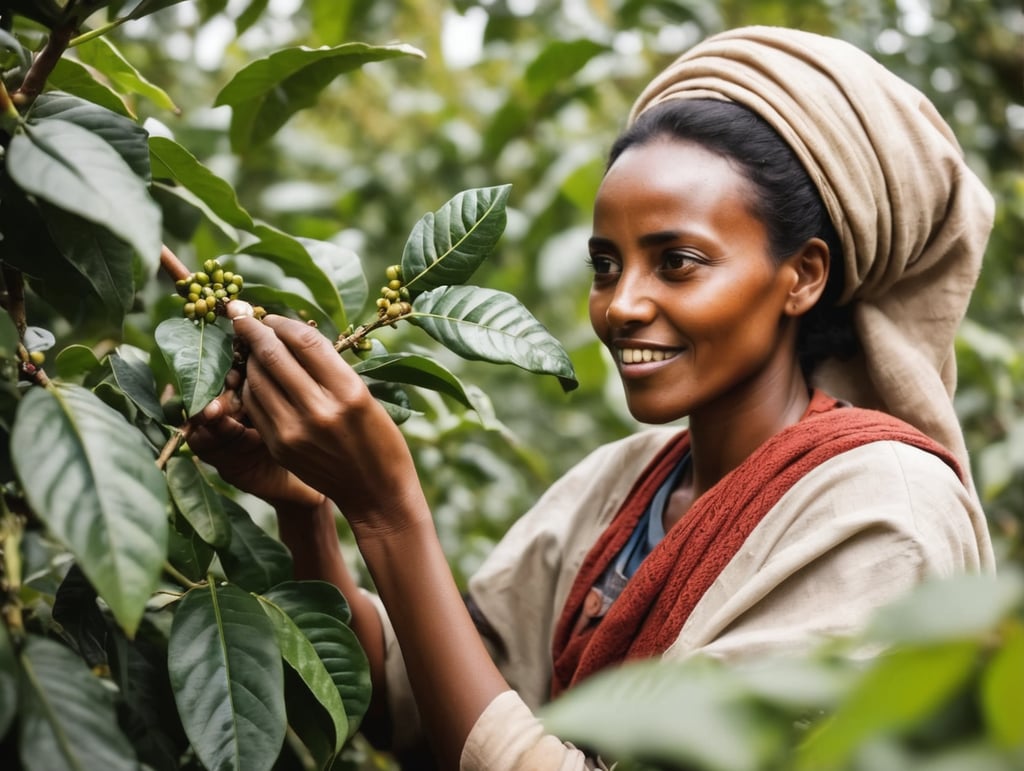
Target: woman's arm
[[318, 420]]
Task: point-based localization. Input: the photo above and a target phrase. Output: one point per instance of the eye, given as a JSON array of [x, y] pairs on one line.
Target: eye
[[677, 261], [602, 265]]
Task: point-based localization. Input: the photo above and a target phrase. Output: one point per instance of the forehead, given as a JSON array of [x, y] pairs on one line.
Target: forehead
[[670, 177]]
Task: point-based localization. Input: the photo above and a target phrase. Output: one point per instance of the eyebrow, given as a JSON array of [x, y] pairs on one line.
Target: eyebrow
[[646, 240]]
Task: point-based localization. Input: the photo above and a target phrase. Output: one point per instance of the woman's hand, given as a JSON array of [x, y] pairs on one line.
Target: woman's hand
[[320, 422], [221, 438]]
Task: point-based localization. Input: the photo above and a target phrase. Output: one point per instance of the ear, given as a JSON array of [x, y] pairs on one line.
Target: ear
[[807, 270]]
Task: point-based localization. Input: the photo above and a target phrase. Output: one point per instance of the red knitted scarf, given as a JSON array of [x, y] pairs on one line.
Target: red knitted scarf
[[647, 617]]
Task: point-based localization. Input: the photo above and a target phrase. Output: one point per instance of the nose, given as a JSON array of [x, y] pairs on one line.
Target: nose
[[632, 302]]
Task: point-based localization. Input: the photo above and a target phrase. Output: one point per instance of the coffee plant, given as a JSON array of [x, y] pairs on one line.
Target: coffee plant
[[148, 620]]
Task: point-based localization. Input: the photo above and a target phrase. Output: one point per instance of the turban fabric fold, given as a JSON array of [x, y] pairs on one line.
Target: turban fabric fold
[[913, 219]]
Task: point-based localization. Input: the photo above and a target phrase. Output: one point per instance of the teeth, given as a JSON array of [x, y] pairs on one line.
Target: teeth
[[637, 355]]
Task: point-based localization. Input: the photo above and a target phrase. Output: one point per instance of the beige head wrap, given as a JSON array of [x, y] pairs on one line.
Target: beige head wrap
[[913, 219]]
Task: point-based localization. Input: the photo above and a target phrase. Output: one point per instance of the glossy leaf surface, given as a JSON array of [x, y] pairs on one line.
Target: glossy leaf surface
[[488, 325], [90, 477], [413, 369], [197, 500], [252, 558], [445, 247], [199, 356], [227, 678]]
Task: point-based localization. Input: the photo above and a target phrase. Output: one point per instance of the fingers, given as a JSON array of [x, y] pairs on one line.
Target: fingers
[[310, 348]]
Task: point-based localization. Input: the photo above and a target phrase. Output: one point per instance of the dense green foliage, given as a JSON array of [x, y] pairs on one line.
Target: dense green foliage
[[284, 139]]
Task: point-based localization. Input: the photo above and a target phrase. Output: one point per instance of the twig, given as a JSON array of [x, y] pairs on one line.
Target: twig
[[179, 576], [35, 80], [172, 444], [175, 268]]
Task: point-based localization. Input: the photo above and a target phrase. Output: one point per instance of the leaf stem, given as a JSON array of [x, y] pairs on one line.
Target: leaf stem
[[11, 529], [180, 577], [103, 29]]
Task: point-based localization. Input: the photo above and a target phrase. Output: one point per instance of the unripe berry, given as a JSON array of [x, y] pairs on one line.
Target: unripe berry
[[181, 285], [382, 302], [195, 288], [220, 294], [258, 311], [217, 276], [210, 265], [232, 289], [210, 317], [394, 284], [404, 293], [238, 281], [394, 311], [37, 358], [189, 310], [228, 277], [201, 307], [192, 297], [393, 296], [393, 272], [202, 278], [406, 308]]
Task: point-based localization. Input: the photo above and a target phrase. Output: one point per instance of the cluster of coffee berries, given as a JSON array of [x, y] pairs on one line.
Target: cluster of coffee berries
[[208, 291], [394, 296]]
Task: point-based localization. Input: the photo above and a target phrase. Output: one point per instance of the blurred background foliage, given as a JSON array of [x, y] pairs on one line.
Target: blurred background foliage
[[532, 92]]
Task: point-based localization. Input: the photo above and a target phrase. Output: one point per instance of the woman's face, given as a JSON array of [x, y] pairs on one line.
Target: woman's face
[[685, 293]]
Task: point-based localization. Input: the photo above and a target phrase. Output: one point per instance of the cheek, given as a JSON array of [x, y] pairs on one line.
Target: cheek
[[597, 307]]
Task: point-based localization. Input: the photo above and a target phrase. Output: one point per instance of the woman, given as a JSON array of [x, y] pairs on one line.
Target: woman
[[783, 223]]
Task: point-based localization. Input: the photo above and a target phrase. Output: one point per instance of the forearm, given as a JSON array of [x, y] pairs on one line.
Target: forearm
[[452, 676]]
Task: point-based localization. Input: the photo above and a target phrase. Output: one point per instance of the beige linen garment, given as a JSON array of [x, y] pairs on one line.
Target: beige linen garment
[[849, 537]]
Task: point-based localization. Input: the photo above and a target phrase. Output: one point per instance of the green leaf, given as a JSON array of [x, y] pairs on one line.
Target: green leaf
[[66, 716], [253, 558], [90, 477], [345, 271], [292, 256], [557, 64], [320, 611], [74, 78], [8, 681], [146, 7], [104, 260], [75, 170], [228, 680], [688, 715], [488, 325], [131, 370], [968, 606], [300, 654], [199, 356], [75, 361], [413, 369], [123, 134], [267, 92], [1002, 686], [394, 400], [104, 56], [290, 304], [169, 160], [901, 688], [197, 500], [445, 247], [186, 551]]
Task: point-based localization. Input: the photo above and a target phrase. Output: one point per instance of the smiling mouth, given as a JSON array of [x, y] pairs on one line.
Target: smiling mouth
[[643, 355]]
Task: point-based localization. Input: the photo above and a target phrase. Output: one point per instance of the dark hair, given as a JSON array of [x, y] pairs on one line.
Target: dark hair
[[785, 200]]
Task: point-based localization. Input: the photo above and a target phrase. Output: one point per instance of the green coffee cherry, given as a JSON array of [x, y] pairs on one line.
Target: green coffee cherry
[[393, 272]]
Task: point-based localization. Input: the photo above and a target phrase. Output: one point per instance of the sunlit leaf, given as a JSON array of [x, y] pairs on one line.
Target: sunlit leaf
[[901, 687], [227, 677], [170, 160], [74, 78], [199, 356], [345, 270], [197, 500], [103, 55], [445, 247], [123, 134], [267, 92], [488, 325], [320, 611], [76, 170], [687, 715], [90, 477], [252, 558], [66, 716], [558, 63], [1002, 688], [416, 370]]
